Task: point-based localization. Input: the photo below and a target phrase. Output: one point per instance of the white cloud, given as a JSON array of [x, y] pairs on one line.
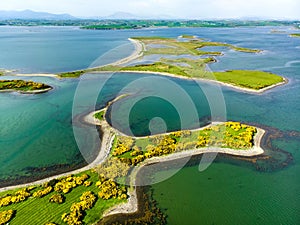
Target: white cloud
[[177, 8]]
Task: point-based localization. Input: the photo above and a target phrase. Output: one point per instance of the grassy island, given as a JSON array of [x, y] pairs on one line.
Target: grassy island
[[295, 35], [84, 197], [23, 86], [187, 48], [248, 79], [196, 68]]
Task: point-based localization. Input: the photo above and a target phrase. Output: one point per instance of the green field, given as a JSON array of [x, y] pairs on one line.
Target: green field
[[248, 79], [21, 85], [72, 74], [255, 80], [39, 211], [295, 35]]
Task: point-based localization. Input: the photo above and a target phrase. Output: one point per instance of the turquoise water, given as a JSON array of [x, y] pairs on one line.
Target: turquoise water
[[36, 130]]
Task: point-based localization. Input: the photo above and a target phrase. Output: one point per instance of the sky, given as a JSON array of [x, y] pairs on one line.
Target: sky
[[185, 9]]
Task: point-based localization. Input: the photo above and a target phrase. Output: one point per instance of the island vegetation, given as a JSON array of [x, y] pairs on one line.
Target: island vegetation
[[140, 24], [83, 198], [111, 24], [196, 68], [73, 200], [72, 74], [100, 115], [133, 151], [295, 35], [256, 80], [23, 86]]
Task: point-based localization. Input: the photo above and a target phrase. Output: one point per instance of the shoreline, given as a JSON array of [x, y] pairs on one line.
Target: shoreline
[[105, 146], [131, 206], [27, 92], [138, 52], [236, 88]]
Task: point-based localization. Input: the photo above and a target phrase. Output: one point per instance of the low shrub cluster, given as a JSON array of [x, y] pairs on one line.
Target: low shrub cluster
[[65, 185], [6, 216], [110, 189], [19, 196], [112, 169], [21, 85], [228, 135], [57, 198], [42, 193], [76, 215], [123, 145]]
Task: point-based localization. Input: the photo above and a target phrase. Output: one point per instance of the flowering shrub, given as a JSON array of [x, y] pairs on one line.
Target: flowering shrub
[[6, 216], [87, 201], [42, 193], [57, 198]]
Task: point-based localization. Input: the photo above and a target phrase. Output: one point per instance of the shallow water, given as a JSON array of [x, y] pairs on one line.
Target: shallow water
[[37, 131]]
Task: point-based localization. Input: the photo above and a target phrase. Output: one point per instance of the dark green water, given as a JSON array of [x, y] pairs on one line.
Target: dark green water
[[37, 132]]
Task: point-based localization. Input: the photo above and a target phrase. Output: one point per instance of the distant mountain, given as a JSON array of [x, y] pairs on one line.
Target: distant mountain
[[28, 14], [129, 16], [122, 16]]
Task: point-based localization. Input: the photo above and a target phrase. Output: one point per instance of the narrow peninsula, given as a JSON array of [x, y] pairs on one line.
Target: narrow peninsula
[[88, 195], [187, 57], [185, 65]]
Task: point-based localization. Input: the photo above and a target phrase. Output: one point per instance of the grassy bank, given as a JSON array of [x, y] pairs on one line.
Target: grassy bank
[[295, 35], [189, 67], [21, 85], [233, 135], [248, 79], [62, 201]]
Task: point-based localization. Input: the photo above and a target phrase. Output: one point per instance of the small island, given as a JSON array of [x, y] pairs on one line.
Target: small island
[[90, 194], [24, 87], [295, 35]]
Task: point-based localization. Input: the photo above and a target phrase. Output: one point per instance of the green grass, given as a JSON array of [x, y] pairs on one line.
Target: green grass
[[187, 36], [232, 135], [72, 74], [183, 67], [295, 35], [248, 78], [194, 68], [157, 67], [192, 47], [38, 211], [21, 85], [100, 115]]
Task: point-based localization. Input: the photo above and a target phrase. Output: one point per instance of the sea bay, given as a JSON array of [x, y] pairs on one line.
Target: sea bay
[[37, 132]]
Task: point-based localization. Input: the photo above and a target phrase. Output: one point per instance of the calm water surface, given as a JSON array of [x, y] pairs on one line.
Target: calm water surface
[[36, 131]]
